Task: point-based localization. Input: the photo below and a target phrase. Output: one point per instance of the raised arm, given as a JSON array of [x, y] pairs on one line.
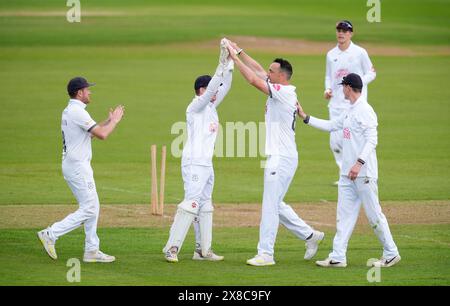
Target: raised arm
[[249, 61], [226, 84], [250, 76], [203, 100], [103, 130]]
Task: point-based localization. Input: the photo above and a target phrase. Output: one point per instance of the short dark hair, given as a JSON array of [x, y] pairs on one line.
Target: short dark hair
[[73, 94], [357, 90], [285, 66], [201, 82]]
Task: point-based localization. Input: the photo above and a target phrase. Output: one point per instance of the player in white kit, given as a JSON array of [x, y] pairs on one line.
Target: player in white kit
[[281, 152], [77, 130], [343, 59], [359, 175], [196, 166]]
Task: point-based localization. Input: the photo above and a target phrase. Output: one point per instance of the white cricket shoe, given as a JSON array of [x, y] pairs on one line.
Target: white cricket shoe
[[312, 244], [172, 254], [386, 263], [97, 256], [210, 256], [330, 263], [261, 260], [48, 243]]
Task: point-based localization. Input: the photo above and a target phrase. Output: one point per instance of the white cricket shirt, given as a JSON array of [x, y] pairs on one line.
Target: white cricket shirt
[[280, 120], [359, 128], [202, 122], [339, 64], [76, 123]]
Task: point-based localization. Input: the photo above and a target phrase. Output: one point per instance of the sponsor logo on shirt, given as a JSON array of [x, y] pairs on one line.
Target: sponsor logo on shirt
[[346, 133], [341, 73], [277, 87], [213, 127]]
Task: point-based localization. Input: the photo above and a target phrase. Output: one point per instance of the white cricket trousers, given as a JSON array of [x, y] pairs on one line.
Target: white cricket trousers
[[336, 137], [198, 185], [350, 196], [80, 179], [278, 174]]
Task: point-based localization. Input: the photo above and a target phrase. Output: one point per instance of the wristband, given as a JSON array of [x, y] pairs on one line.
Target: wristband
[[239, 52], [306, 120], [361, 161]]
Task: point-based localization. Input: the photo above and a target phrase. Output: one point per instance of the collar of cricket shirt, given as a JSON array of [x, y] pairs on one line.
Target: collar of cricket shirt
[[346, 50], [77, 102], [357, 102]]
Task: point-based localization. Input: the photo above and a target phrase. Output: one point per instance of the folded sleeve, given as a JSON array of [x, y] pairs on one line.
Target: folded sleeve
[[82, 119]]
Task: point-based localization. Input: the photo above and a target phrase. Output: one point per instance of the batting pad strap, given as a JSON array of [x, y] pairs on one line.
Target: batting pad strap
[[190, 206]]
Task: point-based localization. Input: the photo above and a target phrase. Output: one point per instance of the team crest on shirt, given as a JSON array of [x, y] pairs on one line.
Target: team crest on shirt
[[213, 127], [194, 205], [346, 133], [277, 87], [341, 73]]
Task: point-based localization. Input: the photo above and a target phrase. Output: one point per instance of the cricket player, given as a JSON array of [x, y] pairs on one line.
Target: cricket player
[[282, 156], [343, 59], [196, 166], [77, 130], [359, 174]]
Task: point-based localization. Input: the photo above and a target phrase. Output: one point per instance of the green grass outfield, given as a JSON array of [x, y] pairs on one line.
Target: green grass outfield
[[143, 54], [38, 54], [140, 261]]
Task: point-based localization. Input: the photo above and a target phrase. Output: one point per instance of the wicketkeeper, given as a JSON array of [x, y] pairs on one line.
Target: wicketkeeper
[[196, 166]]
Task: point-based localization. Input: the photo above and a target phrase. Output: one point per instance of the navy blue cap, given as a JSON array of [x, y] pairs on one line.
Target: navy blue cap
[[202, 81], [76, 84], [353, 80], [344, 25]]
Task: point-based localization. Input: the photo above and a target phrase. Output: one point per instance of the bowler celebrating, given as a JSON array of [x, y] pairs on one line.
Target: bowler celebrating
[[77, 130], [343, 59], [282, 156], [359, 175]]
